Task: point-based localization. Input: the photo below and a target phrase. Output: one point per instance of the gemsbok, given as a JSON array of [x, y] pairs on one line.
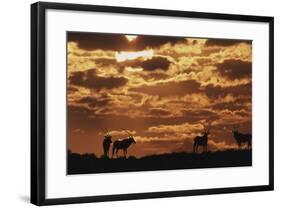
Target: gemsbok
[[242, 138], [106, 143], [123, 144], [202, 140]]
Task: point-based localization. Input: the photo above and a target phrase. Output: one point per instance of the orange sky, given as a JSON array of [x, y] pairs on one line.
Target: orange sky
[[162, 89]]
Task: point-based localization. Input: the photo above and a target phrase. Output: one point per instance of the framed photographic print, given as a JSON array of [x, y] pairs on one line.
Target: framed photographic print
[[130, 103]]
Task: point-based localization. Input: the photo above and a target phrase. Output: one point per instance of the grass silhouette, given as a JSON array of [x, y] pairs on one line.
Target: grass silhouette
[[90, 163]]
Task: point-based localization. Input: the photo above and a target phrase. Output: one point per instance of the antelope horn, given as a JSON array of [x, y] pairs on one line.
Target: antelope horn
[[209, 126], [105, 131], [127, 132]]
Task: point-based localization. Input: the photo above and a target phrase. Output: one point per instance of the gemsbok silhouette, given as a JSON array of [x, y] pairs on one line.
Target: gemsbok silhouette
[[242, 138], [123, 144], [106, 143], [202, 140]]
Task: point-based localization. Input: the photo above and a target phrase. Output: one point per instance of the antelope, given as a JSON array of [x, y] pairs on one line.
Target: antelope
[[106, 143], [123, 144], [201, 140], [242, 138]]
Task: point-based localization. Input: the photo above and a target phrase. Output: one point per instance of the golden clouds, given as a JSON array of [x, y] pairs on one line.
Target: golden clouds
[[161, 88], [178, 132]]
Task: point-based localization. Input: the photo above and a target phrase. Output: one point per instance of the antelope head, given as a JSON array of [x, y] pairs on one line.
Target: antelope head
[[207, 129], [107, 135], [130, 136]]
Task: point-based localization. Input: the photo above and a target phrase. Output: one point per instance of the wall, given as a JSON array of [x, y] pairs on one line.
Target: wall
[[14, 110]]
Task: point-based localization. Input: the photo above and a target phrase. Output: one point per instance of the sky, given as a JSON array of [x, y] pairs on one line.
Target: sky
[[163, 90]]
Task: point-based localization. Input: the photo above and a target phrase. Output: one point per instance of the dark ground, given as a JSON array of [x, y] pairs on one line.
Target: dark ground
[[89, 163]]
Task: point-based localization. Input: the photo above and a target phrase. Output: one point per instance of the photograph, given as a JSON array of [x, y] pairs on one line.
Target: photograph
[[138, 102], [178, 99]]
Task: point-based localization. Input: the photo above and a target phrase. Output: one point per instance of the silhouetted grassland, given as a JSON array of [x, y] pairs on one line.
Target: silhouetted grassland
[[89, 163]]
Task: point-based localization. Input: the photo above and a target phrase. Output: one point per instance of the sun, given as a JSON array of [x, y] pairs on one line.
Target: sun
[[130, 38], [128, 55]]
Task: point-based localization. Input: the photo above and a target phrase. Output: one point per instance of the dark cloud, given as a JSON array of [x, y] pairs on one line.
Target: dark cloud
[[104, 41], [77, 109], [131, 63], [118, 42], [150, 41], [215, 92], [154, 75], [225, 42], [136, 97], [94, 102], [105, 62], [89, 79], [156, 63], [170, 89], [71, 89], [198, 115], [243, 113], [148, 65], [242, 100], [232, 106], [159, 112], [235, 69]]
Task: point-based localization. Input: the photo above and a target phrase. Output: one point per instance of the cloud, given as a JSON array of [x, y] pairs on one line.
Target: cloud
[[197, 115], [172, 88], [179, 131], [216, 91], [118, 42], [225, 42], [174, 137], [229, 105], [78, 109], [156, 63], [186, 48], [235, 69], [95, 102], [71, 89], [150, 41], [156, 75], [121, 133], [221, 145], [105, 61], [158, 112], [93, 41], [149, 64], [90, 80]]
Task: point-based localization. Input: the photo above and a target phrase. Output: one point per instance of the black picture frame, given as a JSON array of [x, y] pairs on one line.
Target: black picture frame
[[38, 98]]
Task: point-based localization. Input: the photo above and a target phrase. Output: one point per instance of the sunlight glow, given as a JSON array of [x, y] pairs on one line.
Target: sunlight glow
[[125, 55], [131, 37]]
